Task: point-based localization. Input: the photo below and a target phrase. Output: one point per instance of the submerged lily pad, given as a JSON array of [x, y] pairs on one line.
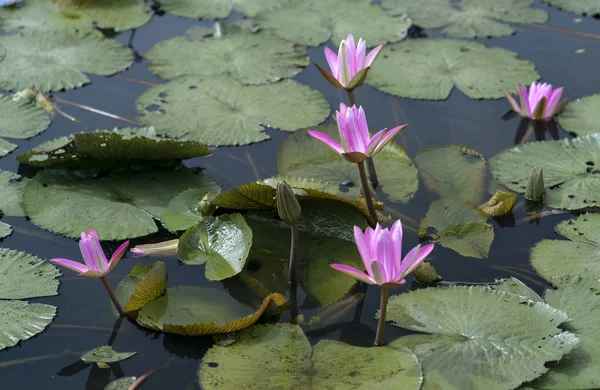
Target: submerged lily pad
[[11, 193], [468, 19], [219, 9], [280, 356], [105, 354], [121, 383], [586, 7], [459, 226], [183, 210], [334, 19], [571, 170], [55, 60], [478, 338], [20, 320], [6, 147], [21, 119], [431, 68], [26, 276], [232, 113], [144, 284], [581, 116]]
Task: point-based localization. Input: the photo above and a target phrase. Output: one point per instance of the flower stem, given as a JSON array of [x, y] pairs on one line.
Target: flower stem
[[372, 172], [350, 93], [382, 314], [293, 253], [112, 296], [367, 192]]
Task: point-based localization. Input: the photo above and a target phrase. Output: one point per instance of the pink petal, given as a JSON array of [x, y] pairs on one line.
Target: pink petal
[[350, 56], [363, 127], [553, 101], [513, 102], [374, 142], [385, 256], [343, 64], [92, 252], [414, 258], [332, 60], [524, 96], [70, 264], [396, 233], [361, 51], [353, 272], [388, 137], [333, 144], [93, 274], [364, 246], [372, 56], [116, 257]]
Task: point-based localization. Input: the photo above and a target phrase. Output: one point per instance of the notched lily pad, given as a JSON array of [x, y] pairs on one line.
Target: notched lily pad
[[515, 286], [20, 320], [105, 354], [144, 284], [11, 193], [586, 7], [23, 275], [6, 147], [581, 116], [183, 210], [220, 9], [5, 230], [21, 119]]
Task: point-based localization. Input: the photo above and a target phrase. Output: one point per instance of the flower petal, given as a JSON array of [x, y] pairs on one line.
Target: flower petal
[[553, 102], [353, 272], [524, 97], [70, 264], [332, 60], [513, 102], [384, 255], [374, 142], [333, 144], [116, 257], [92, 252], [388, 137], [372, 56], [364, 246]]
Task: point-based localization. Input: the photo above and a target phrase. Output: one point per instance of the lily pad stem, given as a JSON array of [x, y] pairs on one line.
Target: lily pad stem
[[382, 313], [293, 253], [367, 192], [113, 297]]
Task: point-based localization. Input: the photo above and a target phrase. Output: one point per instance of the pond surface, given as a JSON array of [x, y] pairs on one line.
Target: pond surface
[[85, 319]]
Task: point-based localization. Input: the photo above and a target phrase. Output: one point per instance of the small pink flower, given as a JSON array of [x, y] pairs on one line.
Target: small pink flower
[[541, 101]]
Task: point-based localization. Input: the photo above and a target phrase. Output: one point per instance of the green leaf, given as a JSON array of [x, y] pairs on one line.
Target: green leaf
[[334, 19], [431, 68], [11, 193], [250, 58], [458, 226], [586, 7], [6, 147], [55, 60], [582, 250], [119, 206], [21, 119], [119, 15], [26, 276], [5, 230], [20, 320], [515, 286], [304, 156], [144, 284], [121, 383], [217, 9], [232, 113], [426, 273], [571, 170], [479, 338], [466, 18], [183, 210], [501, 203], [105, 354], [223, 243], [281, 357], [581, 116]]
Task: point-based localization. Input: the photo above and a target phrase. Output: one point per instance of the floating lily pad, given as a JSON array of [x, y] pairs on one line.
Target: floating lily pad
[[144, 284], [20, 320], [586, 7], [6, 147], [458, 226], [5, 230], [119, 206], [121, 383], [21, 119], [232, 113], [280, 356], [431, 68], [105, 354], [426, 273], [183, 210], [468, 19], [334, 19], [55, 60], [582, 249], [501, 203], [119, 15], [581, 116], [479, 338], [250, 58], [222, 243], [304, 156], [515, 286], [217, 9], [26, 276], [11, 193], [198, 311], [571, 170]]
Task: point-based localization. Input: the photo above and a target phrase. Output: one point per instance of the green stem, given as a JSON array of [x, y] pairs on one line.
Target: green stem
[[112, 296], [350, 93], [367, 192], [292, 274], [372, 172], [382, 314]]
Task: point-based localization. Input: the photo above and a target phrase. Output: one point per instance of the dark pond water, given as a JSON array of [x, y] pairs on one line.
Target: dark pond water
[[85, 320]]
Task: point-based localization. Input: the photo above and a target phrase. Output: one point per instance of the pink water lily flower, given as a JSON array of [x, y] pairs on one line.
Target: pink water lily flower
[[541, 101], [350, 66], [381, 253], [96, 266], [356, 141]]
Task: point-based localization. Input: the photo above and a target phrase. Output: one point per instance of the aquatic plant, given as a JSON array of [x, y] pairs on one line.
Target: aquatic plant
[[540, 102]]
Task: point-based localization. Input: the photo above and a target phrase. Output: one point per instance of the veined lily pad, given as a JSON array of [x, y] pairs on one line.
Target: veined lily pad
[[221, 242], [11, 193], [21, 119], [468, 19], [198, 311], [571, 170], [515, 286], [587, 7], [458, 226], [144, 284], [232, 113], [217, 9], [431, 68], [55, 60], [105, 354], [26, 276], [581, 116], [5, 230], [183, 210], [250, 58], [280, 356], [6, 147], [121, 383], [20, 320], [334, 19], [478, 338]]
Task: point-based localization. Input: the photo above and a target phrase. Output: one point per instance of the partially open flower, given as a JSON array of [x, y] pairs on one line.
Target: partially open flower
[[540, 102]]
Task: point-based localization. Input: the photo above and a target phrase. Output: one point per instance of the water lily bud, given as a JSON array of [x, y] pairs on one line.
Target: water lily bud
[[287, 204], [205, 206], [535, 185]]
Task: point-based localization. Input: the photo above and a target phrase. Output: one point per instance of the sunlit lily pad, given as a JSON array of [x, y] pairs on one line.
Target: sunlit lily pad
[[250, 58], [515, 286], [121, 383], [280, 356], [334, 19], [431, 68], [468, 19], [571, 170], [6, 147], [5, 230], [458, 226], [587, 7], [20, 320], [26, 276], [55, 60], [222, 243], [232, 113], [581, 116], [21, 119], [144, 284], [501, 203], [478, 338], [183, 210], [217, 9], [105, 354], [11, 193], [197, 311]]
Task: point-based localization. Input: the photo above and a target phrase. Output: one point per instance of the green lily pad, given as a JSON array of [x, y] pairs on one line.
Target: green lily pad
[[119, 15], [183, 210], [459, 226], [468, 19], [501, 203], [105, 354], [478, 338], [222, 243], [579, 297], [217, 9], [197, 311], [304, 156], [121, 205], [11, 193], [26, 276], [515, 286], [144, 284], [20, 320], [55, 60], [334, 19], [121, 383], [111, 149], [232, 113], [586, 7], [571, 170], [21, 119], [581, 116], [5, 230], [426, 273], [431, 68], [6, 147], [582, 249], [250, 58]]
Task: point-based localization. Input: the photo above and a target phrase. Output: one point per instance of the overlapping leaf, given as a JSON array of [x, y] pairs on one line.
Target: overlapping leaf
[[218, 9], [581, 116], [144, 284]]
